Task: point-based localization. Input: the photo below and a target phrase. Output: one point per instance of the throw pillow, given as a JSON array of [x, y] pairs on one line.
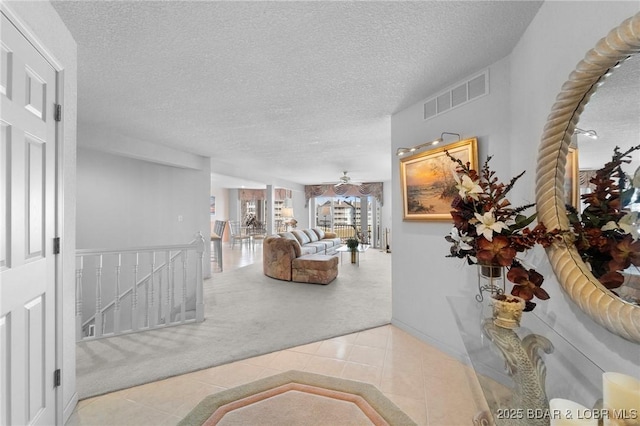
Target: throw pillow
[[301, 236], [312, 235], [319, 232]]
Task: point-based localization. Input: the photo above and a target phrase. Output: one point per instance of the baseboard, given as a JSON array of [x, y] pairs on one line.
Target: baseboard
[[460, 356], [68, 409]]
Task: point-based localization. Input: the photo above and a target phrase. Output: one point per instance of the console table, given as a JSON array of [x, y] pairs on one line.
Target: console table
[[361, 249], [520, 370]]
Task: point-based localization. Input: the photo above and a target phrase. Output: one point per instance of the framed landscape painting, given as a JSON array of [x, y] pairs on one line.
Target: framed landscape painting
[[428, 185], [572, 179]]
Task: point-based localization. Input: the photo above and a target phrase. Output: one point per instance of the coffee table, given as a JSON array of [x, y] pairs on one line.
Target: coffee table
[[360, 249]]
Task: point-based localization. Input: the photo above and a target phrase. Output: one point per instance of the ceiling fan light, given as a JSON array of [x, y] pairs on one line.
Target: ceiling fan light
[[588, 133]]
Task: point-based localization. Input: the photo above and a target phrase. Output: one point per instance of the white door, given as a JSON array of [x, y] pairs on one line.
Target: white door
[[27, 220]]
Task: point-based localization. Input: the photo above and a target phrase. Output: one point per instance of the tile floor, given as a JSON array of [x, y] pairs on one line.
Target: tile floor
[[430, 386]]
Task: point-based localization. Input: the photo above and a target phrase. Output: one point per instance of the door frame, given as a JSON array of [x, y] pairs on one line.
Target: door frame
[[31, 37]]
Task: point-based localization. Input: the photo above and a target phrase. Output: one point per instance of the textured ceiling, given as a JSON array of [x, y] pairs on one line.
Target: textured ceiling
[[295, 90], [614, 113]]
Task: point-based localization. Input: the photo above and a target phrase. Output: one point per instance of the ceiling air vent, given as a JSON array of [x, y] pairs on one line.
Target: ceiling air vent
[[457, 95], [430, 109], [444, 102]]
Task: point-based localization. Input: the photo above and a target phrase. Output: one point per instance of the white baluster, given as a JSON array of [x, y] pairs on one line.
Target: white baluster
[[116, 309], [157, 310], [160, 305], [153, 313], [135, 311], [172, 304], [98, 317], [147, 322], [167, 299], [183, 304], [199, 278], [79, 299]]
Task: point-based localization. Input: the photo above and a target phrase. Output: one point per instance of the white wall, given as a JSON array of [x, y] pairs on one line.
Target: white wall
[[44, 22], [233, 208], [124, 202], [422, 276], [509, 124]]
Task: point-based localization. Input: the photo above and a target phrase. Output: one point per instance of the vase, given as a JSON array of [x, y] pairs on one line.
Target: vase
[[353, 256], [490, 279], [507, 310]]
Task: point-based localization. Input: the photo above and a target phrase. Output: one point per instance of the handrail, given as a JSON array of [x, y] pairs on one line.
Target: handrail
[[91, 252], [172, 252]]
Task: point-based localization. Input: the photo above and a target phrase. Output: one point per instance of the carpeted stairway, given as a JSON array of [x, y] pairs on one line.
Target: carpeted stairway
[[246, 314]]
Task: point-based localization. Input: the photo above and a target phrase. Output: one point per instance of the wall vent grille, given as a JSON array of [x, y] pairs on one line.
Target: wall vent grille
[[457, 95]]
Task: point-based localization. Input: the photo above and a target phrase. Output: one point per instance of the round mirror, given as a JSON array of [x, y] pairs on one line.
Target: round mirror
[[583, 288]]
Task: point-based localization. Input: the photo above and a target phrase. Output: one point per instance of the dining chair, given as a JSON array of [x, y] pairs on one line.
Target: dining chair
[[236, 233], [258, 235], [216, 242]]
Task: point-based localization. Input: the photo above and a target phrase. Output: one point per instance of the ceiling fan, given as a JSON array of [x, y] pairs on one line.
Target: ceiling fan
[[344, 180]]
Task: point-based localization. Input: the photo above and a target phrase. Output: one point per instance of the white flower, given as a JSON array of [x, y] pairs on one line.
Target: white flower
[[636, 179], [488, 225], [626, 225], [466, 187], [461, 239]]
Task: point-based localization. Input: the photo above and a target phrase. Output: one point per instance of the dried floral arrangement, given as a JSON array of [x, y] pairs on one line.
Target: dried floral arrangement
[[487, 230], [606, 232]]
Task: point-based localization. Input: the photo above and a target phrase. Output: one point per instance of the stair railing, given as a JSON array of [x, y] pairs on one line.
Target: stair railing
[[156, 300]]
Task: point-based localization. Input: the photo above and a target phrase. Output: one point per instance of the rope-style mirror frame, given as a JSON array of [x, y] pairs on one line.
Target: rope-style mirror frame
[[573, 274]]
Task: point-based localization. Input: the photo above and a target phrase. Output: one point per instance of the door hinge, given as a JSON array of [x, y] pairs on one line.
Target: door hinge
[[56, 245], [56, 378], [57, 115]]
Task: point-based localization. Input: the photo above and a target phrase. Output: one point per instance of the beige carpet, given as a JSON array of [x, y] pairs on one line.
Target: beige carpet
[[298, 398], [246, 314]]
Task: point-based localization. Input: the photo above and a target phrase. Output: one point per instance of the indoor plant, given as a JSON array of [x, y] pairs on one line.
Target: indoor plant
[[488, 231], [606, 232], [352, 244]]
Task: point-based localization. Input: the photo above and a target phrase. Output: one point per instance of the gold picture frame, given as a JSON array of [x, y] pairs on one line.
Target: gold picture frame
[[572, 179], [427, 178]]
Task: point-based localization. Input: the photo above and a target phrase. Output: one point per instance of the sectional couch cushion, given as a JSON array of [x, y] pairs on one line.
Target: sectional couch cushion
[[319, 232], [312, 235], [302, 237], [297, 247], [329, 240], [310, 243], [322, 246], [306, 246], [314, 269], [332, 238], [281, 260]]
